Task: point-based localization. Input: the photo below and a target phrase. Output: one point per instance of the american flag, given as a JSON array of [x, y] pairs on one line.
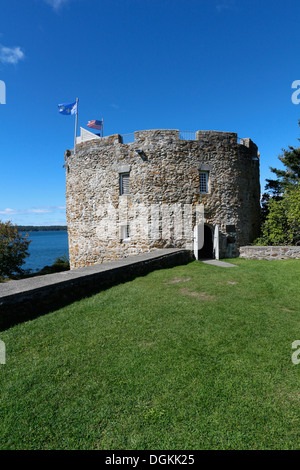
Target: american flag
[[95, 124]]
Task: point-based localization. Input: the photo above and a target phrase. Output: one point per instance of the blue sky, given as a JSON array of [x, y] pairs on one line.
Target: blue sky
[[223, 65]]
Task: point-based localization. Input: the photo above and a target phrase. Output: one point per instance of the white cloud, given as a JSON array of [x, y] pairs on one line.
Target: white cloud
[[10, 55], [35, 210], [223, 5], [8, 211], [39, 211], [56, 4], [47, 215]]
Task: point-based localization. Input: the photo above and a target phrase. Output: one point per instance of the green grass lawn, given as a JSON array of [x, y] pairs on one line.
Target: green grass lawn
[[193, 357]]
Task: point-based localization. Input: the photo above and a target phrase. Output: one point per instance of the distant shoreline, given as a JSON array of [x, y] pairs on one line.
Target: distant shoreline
[[41, 228]]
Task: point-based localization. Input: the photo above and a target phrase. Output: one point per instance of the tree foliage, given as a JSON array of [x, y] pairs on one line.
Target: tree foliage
[[287, 178], [13, 250], [281, 203], [282, 223], [41, 228], [60, 264]]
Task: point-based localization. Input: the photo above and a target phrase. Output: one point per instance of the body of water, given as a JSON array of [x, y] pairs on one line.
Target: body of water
[[45, 248]]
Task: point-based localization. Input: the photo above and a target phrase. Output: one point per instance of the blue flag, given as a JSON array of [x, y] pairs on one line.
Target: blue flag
[[68, 108]]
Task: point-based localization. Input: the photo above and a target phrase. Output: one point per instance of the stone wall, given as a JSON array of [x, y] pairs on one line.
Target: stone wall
[[29, 298], [270, 252], [164, 185]]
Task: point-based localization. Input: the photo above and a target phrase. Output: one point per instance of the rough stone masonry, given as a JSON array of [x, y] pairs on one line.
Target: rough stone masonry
[[127, 199]]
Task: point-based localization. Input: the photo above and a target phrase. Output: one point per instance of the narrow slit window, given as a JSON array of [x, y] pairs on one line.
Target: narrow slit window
[[203, 181], [125, 233], [124, 183]]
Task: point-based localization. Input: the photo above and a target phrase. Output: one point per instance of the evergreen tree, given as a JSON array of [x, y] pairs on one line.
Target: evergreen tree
[[289, 177], [281, 204]]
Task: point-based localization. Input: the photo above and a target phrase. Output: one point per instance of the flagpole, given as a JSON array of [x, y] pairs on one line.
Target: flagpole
[[102, 127], [76, 120]]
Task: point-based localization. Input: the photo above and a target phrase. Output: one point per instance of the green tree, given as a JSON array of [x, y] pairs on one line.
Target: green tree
[[287, 178], [280, 205], [282, 223], [13, 250], [292, 198]]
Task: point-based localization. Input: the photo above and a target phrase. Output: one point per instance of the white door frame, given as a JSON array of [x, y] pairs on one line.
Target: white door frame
[[216, 242], [198, 238]]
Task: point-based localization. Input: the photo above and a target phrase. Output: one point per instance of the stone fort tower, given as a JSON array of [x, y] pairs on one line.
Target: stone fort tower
[[129, 198]]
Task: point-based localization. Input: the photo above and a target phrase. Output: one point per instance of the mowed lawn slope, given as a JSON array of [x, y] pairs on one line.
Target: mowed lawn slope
[[193, 357]]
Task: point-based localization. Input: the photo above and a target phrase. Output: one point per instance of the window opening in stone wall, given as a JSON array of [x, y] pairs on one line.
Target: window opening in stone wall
[[125, 233], [203, 181], [124, 183]]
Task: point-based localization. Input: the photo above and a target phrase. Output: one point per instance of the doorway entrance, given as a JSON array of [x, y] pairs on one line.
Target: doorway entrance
[[207, 251]]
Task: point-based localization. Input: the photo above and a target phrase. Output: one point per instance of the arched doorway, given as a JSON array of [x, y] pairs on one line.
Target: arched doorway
[[207, 251]]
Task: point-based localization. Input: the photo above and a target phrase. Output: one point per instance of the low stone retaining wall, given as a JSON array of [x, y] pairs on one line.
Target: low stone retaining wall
[[270, 252], [29, 298]]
